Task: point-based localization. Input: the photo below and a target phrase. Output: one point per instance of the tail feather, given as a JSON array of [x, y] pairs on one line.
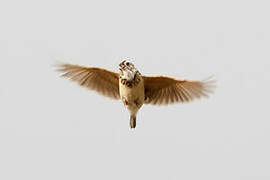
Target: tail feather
[[132, 121]]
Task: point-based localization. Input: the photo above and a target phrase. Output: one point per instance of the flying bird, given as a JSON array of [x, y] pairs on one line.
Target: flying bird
[[135, 89]]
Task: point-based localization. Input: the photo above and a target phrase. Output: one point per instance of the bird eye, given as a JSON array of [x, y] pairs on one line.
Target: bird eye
[[127, 63]]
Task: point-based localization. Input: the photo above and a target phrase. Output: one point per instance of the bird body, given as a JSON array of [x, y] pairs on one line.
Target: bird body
[[131, 90], [134, 89]]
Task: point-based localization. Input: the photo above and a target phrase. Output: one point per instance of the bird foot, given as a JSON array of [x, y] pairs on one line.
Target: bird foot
[[125, 102], [136, 102]]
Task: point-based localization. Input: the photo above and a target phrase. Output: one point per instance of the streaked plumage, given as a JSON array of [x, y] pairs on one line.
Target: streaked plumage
[[134, 89]]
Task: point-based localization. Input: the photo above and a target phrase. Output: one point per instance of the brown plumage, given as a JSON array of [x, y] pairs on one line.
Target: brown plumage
[[135, 90], [101, 80], [165, 90]]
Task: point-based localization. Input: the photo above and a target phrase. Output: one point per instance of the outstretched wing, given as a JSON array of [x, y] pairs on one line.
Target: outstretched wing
[[165, 90], [101, 80]]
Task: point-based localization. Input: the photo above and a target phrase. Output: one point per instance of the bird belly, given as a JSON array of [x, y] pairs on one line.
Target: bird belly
[[132, 97]]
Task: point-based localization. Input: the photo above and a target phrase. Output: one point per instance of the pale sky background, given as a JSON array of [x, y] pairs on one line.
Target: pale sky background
[[51, 128]]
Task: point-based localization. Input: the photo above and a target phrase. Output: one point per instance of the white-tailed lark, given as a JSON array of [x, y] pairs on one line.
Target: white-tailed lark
[[134, 89]]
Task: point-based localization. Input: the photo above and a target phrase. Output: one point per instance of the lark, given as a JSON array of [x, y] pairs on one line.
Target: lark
[[134, 89]]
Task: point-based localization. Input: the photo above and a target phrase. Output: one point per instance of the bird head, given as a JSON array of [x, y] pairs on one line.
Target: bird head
[[127, 70]]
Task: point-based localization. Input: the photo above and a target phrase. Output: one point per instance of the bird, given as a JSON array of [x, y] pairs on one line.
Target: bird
[[135, 89]]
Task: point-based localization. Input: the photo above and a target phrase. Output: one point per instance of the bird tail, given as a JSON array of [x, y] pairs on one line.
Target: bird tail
[[132, 121]]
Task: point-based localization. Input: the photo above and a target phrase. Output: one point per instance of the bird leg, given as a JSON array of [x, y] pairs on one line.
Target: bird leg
[[137, 103], [125, 102]]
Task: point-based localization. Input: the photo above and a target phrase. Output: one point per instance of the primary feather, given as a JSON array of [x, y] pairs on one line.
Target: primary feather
[[101, 80], [160, 90]]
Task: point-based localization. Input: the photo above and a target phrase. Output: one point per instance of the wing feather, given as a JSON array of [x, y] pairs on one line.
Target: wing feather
[[101, 80], [166, 90]]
